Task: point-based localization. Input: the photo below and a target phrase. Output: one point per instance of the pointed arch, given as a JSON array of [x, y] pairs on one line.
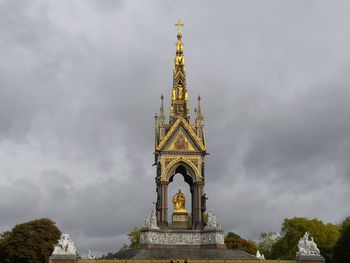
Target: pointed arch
[[184, 167]]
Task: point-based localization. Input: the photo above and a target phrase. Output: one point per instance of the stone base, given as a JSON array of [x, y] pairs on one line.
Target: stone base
[[177, 238], [182, 254], [310, 259], [179, 220], [63, 259]]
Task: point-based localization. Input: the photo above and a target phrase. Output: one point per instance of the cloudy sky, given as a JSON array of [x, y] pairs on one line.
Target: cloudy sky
[[80, 82]]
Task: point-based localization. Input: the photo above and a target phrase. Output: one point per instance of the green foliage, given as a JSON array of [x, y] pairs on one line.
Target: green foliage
[[266, 241], [134, 237], [234, 241], [285, 247], [341, 251], [30, 242]]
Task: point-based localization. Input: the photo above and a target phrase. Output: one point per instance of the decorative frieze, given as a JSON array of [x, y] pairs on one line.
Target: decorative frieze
[[185, 237]]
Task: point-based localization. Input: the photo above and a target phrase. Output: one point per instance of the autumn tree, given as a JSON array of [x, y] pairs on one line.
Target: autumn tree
[[234, 241], [30, 242]]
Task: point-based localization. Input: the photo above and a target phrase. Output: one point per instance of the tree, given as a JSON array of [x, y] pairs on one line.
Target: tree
[[134, 237], [266, 241], [325, 236], [30, 242], [234, 241], [341, 251]]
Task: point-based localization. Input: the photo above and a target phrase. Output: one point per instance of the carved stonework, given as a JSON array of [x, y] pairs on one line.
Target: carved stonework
[[151, 221], [65, 246], [307, 246], [167, 161], [191, 238], [259, 256], [212, 222], [195, 162]]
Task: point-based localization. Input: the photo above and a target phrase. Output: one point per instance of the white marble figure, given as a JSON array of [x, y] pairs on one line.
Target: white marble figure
[[212, 221], [307, 246], [151, 221], [259, 256], [90, 255], [65, 246]]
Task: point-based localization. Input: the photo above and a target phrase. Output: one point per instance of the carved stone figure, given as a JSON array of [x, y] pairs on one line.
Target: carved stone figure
[[212, 221], [180, 88], [204, 202], [65, 246], [158, 202], [151, 221], [259, 256], [307, 246], [174, 94], [179, 202], [90, 255]]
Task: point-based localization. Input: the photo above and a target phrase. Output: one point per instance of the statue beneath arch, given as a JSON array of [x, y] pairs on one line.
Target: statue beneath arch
[[180, 215]]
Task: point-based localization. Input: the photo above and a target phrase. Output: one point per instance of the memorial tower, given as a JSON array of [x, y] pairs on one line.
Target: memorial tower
[[180, 146]]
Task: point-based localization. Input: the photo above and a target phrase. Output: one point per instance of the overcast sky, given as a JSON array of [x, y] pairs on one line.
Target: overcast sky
[[80, 82]]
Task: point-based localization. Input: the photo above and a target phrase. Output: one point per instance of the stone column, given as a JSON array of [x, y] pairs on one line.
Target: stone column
[[163, 213], [192, 205], [197, 222]]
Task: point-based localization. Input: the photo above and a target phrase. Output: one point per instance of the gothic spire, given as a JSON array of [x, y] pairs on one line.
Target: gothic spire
[[179, 98]]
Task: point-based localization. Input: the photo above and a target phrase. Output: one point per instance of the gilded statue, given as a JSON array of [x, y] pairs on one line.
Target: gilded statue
[[181, 93], [179, 202], [186, 96], [174, 94], [179, 47]]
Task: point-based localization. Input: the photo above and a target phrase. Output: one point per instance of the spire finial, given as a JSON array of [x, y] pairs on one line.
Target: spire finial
[[179, 25]]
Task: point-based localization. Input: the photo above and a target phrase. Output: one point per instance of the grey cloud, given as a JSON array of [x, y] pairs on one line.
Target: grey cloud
[[80, 83]]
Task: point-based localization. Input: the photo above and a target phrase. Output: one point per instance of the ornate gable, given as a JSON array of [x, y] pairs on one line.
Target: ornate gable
[[181, 137]]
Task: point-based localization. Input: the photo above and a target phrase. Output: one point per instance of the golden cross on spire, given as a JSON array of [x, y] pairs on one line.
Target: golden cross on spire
[[179, 25]]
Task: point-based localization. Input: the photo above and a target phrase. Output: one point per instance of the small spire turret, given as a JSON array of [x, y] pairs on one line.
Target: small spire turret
[[162, 113], [199, 121], [199, 115]]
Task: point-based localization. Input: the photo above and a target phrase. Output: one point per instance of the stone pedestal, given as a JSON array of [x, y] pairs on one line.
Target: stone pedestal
[[179, 220], [300, 258], [63, 259]]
